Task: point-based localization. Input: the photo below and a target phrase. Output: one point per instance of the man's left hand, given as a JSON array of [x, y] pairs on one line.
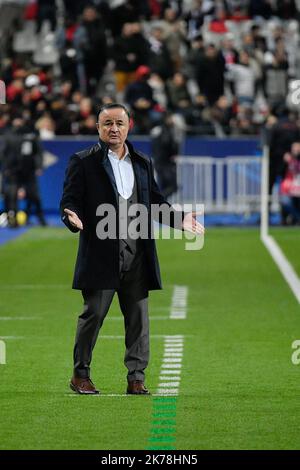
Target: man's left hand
[[191, 224]]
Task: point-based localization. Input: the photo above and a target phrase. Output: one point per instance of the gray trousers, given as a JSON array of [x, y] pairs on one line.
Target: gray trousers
[[133, 300]]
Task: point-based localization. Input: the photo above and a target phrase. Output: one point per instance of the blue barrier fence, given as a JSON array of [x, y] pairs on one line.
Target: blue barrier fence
[[58, 152]]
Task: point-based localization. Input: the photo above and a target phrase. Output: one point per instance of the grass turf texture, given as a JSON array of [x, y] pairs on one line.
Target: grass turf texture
[[239, 388]]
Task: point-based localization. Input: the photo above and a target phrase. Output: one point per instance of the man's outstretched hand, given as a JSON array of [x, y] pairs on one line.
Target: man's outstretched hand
[[191, 224], [74, 219]]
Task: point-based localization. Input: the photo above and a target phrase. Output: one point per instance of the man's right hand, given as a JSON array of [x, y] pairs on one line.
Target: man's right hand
[[74, 219]]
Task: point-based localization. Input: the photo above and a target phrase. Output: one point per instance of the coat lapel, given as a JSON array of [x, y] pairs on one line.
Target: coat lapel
[[140, 173], [104, 161], [137, 175], [109, 171]]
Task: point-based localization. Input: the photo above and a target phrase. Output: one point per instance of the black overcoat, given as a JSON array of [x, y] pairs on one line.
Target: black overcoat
[[89, 182]]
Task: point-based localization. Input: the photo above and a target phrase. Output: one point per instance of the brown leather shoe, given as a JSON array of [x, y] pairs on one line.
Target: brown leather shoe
[[83, 386], [137, 387]]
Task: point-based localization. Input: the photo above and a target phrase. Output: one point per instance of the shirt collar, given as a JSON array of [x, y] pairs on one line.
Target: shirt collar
[[112, 154]]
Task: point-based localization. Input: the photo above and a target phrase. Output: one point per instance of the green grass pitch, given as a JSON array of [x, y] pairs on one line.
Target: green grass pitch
[[239, 388]]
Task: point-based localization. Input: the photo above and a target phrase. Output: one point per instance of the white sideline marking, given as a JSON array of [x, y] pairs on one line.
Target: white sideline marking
[[156, 317], [18, 318], [122, 337], [113, 337], [283, 264], [12, 337], [120, 318], [100, 395], [34, 286]]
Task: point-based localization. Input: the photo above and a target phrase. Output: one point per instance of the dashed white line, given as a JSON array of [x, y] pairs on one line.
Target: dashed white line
[[170, 372], [166, 377], [172, 349], [171, 366], [179, 303], [172, 354], [170, 359], [169, 384], [170, 379], [167, 391]]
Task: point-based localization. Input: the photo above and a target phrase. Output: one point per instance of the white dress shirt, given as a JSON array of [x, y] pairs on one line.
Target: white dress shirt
[[123, 172]]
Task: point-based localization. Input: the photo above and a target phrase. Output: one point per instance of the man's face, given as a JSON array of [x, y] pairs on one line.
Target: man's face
[[113, 126], [89, 14]]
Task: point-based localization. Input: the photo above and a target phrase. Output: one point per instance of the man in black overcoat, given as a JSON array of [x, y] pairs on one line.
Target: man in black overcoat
[[112, 174]]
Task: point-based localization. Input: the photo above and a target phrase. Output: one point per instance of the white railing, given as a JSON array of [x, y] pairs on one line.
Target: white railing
[[230, 184]]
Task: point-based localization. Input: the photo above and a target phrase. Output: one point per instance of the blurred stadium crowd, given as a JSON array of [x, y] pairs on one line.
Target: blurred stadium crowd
[[195, 67], [223, 67]]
